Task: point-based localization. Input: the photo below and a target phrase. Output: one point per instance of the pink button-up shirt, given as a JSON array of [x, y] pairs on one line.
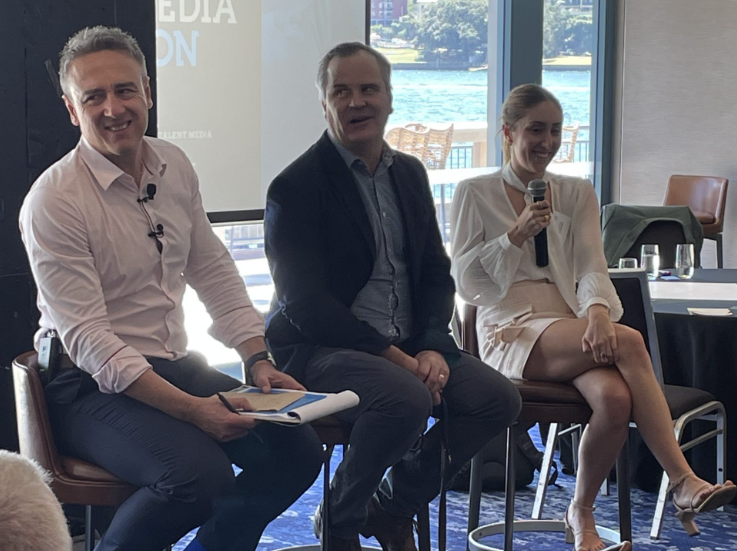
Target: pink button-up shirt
[[102, 283]]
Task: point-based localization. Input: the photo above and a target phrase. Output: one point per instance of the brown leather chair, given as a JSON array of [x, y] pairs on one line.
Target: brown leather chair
[[73, 481], [706, 196], [551, 403]]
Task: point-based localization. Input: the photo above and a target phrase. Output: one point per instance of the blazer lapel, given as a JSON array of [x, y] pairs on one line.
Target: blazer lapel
[[345, 188]]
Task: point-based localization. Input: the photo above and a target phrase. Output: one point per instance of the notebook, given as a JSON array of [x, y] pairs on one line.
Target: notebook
[[293, 407]]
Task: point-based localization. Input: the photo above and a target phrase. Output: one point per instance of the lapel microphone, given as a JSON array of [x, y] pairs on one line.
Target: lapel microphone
[[157, 230], [150, 193]]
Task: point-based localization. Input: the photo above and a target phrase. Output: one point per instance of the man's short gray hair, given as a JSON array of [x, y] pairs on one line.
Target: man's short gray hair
[[96, 39], [348, 49]]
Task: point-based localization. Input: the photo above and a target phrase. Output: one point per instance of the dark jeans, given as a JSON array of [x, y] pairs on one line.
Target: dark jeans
[[185, 478], [388, 428]]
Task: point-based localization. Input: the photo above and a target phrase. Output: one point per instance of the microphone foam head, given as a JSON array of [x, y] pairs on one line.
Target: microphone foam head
[[537, 188]]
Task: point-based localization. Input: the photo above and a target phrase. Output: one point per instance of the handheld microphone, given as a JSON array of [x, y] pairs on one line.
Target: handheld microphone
[[537, 191]]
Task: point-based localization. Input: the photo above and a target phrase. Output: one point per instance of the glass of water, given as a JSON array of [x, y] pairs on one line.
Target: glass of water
[[684, 261], [627, 263], [650, 260]]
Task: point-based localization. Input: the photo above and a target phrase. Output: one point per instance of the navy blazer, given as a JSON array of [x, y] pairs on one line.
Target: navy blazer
[[321, 250]]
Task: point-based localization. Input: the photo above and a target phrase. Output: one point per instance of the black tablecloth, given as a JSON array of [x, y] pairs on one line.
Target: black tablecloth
[[701, 352]]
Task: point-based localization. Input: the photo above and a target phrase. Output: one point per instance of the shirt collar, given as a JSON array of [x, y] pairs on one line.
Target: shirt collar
[[387, 153], [105, 172], [513, 180]]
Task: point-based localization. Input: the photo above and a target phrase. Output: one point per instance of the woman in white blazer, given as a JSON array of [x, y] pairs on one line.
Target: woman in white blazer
[[558, 322]]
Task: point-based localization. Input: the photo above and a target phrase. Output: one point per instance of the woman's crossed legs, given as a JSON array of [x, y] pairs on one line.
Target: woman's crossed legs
[[613, 391]]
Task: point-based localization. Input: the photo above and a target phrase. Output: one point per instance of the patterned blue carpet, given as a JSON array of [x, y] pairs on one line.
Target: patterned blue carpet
[[718, 529]]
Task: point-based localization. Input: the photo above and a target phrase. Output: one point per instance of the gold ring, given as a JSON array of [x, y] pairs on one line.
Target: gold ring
[[546, 217]]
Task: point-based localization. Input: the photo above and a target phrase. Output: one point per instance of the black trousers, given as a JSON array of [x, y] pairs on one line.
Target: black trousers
[[185, 478], [388, 428]]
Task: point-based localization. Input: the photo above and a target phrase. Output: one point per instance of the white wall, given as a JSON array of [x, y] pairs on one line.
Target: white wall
[[678, 102], [236, 86], [296, 34]]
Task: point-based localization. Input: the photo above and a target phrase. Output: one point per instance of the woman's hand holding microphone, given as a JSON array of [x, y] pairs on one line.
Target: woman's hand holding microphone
[[534, 218]]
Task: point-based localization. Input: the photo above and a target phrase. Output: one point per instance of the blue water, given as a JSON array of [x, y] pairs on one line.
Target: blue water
[[460, 96]]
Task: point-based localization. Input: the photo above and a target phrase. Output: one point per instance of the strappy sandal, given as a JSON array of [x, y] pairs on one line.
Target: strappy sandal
[[571, 533], [714, 500]]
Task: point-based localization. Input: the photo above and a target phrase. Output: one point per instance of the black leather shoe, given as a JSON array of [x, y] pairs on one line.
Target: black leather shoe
[[392, 532], [334, 543]]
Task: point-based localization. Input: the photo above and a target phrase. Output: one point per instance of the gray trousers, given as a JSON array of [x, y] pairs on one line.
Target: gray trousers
[[388, 427]]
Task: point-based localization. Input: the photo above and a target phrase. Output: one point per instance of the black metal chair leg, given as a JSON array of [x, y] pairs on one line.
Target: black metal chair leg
[[89, 529], [623, 494], [509, 491], [423, 528], [325, 528], [474, 493]]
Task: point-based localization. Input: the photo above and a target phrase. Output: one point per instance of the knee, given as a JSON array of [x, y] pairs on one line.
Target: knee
[[507, 403], [197, 485], [496, 397], [408, 401], [614, 401], [632, 348]]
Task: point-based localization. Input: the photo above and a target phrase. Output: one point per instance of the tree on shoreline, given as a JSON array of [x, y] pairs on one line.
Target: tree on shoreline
[[453, 30], [565, 32]]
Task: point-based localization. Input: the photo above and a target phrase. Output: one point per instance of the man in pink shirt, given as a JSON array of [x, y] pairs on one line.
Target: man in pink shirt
[[114, 232]]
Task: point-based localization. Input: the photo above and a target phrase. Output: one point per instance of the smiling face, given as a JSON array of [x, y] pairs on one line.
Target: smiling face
[[110, 99], [357, 103], [534, 140]]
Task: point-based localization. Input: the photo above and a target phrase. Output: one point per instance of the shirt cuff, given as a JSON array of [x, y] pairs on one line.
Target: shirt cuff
[[120, 371], [506, 243]]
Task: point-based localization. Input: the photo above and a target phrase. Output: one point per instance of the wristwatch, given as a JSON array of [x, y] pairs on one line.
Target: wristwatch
[[252, 360]]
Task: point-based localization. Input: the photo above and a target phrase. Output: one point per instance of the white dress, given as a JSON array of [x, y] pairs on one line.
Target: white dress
[[516, 299]]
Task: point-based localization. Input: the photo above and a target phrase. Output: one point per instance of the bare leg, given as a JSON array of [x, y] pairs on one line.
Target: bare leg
[[558, 357], [611, 404]]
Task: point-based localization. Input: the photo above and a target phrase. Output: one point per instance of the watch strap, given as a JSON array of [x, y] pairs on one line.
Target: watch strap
[[255, 358]]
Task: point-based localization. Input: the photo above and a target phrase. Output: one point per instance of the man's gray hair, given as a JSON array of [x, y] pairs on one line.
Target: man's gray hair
[[348, 49], [96, 39]]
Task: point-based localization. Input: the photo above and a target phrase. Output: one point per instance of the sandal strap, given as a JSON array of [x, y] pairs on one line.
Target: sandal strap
[[585, 508], [673, 484]]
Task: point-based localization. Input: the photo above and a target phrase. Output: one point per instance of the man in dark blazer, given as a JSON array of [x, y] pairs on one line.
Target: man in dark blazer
[[363, 302]]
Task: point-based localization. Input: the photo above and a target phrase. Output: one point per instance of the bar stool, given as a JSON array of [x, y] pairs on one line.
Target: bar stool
[[73, 481], [541, 403]]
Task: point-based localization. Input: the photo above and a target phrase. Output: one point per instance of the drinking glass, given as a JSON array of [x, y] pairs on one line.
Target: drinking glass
[[684, 261], [650, 260], [627, 263]]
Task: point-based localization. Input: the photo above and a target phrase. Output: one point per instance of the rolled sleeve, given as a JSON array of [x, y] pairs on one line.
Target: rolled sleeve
[[597, 288], [120, 371]]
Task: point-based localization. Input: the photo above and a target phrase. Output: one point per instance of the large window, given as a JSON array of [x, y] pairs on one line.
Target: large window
[[569, 46], [245, 242], [444, 76]]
